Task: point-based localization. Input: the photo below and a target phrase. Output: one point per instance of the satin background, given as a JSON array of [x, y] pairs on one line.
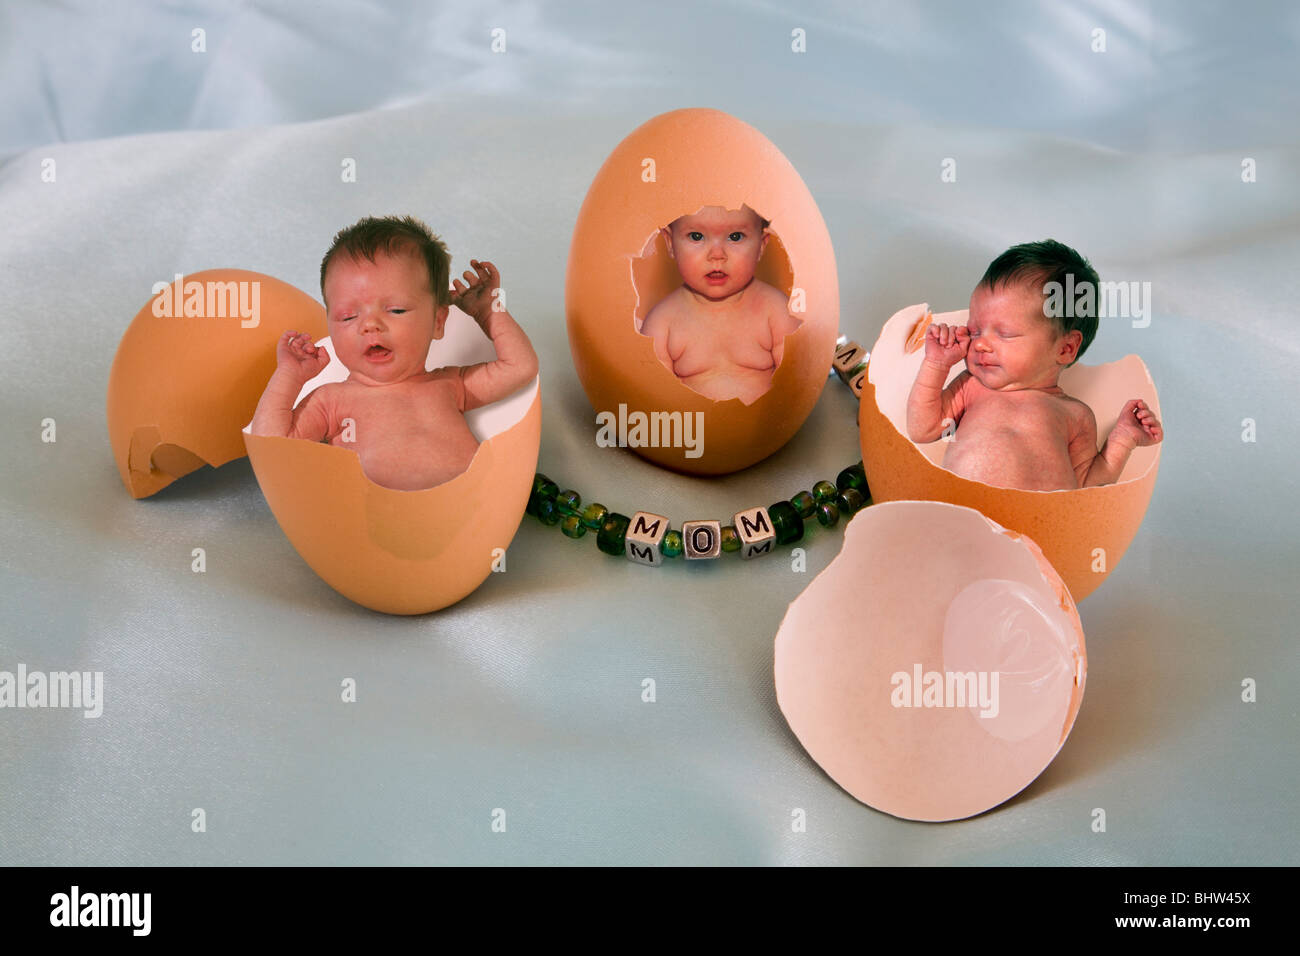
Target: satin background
[[222, 689]]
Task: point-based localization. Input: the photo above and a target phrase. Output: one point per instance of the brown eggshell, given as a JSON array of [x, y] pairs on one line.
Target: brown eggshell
[[919, 588], [1070, 526], [181, 388], [618, 270], [406, 552]]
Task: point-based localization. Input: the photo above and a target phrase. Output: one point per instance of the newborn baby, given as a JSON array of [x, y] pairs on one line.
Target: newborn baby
[[722, 330], [384, 282], [1015, 427]]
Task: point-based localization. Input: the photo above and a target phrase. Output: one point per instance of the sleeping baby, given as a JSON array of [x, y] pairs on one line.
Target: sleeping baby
[[722, 330], [1015, 427], [385, 287]]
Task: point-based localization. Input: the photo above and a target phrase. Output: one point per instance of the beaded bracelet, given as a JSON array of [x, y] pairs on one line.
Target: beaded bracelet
[[646, 538]]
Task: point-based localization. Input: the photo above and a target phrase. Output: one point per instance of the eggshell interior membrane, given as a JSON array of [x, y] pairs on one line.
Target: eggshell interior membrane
[[1083, 532], [928, 590], [669, 167], [181, 388], [406, 552]]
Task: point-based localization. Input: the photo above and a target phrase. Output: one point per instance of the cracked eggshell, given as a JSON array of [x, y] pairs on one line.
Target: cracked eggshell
[[1070, 526], [924, 588], [669, 167], [406, 552], [181, 388]]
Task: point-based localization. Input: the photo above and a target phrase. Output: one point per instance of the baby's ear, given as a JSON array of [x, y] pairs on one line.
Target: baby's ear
[[1069, 350], [762, 246], [667, 233], [440, 320]]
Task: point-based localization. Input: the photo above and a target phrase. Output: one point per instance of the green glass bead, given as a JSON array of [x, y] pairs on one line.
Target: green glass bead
[[547, 513], [827, 515], [593, 516], [851, 477], [824, 491], [804, 503], [850, 501], [611, 538], [671, 545], [543, 490], [785, 522], [569, 502], [730, 539], [573, 527]]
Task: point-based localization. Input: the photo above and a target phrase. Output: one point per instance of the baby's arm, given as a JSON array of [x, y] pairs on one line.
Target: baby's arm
[[780, 324], [516, 362], [1137, 425], [298, 361], [930, 404], [658, 325]]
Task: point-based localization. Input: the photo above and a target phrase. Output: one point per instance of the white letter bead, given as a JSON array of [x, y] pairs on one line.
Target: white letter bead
[[754, 528], [644, 533], [703, 539], [848, 357]]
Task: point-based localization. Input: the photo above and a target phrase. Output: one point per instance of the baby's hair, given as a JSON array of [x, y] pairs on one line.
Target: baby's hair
[[1044, 262], [392, 235]]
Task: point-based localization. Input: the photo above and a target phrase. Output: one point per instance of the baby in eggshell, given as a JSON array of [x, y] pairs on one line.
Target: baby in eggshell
[[1015, 427], [722, 330], [384, 283]]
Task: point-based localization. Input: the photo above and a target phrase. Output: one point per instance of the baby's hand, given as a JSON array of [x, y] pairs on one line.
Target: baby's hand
[[1138, 424], [477, 293], [296, 354], [946, 345]]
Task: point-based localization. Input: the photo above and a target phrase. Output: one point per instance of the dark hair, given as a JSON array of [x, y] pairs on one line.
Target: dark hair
[[1044, 262], [392, 235]]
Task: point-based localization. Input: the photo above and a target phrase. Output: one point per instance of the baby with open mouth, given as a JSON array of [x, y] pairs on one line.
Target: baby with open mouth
[[385, 286], [722, 330]]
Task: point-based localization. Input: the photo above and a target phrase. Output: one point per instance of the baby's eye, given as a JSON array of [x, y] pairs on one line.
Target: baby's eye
[[736, 236], [695, 236], [397, 311]]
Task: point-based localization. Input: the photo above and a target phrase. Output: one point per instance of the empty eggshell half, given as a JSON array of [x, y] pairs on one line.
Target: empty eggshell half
[[190, 369], [1083, 532], [935, 668], [672, 166], [406, 552]]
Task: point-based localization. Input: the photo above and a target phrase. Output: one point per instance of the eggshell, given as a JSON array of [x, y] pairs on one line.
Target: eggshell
[[618, 269], [1083, 532], [920, 588], [406, 552], [181, 388]]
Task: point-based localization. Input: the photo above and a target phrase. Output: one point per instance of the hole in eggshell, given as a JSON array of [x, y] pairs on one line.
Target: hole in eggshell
[[463, 343], [654, 274]]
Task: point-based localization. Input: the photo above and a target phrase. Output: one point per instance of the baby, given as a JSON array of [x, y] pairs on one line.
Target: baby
[[1015, 427], [721, 332], [384, 283]]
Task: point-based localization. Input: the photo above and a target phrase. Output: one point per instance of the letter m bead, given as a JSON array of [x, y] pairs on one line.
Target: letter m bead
[[645, 532], [757, 536]]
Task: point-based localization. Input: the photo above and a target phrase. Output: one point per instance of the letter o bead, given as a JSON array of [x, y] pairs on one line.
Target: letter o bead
[[703, 539]]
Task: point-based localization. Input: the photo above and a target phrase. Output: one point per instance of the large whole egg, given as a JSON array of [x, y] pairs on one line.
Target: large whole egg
[[1083, 532], [674, 165]]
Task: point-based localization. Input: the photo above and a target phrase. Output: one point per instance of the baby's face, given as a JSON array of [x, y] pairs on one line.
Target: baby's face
[[382, 316], [1012, 344], [717, 250]]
